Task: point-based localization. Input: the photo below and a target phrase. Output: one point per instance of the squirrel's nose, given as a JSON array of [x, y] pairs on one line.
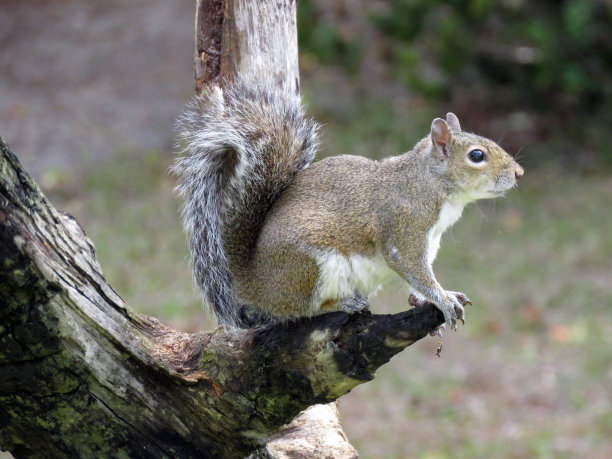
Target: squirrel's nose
[[518, 172]]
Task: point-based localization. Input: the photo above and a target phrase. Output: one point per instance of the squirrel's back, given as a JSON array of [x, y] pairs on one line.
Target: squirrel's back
[[242, 146], [290, 244]]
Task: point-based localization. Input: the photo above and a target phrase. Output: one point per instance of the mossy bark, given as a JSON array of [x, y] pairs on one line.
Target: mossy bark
[[82, 375]]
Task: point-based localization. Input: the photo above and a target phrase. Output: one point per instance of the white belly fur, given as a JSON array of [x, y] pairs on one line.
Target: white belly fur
[[341, 276], [449, 214]]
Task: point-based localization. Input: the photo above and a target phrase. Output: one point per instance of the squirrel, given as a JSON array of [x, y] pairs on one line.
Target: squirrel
[[270, 231]]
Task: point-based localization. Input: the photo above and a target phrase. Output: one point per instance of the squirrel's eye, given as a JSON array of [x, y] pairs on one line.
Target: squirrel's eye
[[476, 156]]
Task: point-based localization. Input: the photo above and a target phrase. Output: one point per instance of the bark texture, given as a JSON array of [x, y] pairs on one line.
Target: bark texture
[[259, 40], [82, 375], [315, 432], [256, 39]]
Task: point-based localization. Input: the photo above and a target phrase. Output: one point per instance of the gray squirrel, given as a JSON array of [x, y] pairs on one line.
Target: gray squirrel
[[270, 231]]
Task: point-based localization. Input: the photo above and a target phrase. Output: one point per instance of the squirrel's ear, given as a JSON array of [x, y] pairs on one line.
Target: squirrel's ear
[[453, 122], [440, 134]]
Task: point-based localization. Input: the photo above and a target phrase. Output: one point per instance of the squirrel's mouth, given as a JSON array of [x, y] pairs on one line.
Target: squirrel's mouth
[[498, 190], [502, 184]]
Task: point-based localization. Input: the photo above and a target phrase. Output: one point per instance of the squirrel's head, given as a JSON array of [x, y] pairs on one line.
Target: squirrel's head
[[477, 167]]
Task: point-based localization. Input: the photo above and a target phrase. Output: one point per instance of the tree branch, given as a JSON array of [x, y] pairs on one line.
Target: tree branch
[[81, 372]]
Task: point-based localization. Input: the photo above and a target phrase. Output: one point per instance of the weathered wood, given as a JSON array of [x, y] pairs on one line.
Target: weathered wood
[[208, 50], [259, 40], [255, 39], [315, 432], [82, 374]]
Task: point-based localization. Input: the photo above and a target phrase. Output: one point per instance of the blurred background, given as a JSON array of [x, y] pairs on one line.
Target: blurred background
[[88, 96]]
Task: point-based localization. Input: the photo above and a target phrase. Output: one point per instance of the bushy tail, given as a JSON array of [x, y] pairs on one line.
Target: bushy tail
[[242, 146]]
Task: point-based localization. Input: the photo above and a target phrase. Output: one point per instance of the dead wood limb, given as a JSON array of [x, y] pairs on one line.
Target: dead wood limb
[[81, 373]]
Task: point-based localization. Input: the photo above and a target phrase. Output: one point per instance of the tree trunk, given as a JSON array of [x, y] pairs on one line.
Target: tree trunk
[[82, 375], [259, 40], [256, 39]]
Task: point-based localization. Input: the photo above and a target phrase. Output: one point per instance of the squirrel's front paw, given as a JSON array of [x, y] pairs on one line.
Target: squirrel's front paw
[[452, 308], [463, 301], [461, 297]]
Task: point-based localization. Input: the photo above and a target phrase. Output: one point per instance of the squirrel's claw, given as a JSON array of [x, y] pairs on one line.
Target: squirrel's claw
[[460, 315], [452, 308], [438, 331], [461, 298]]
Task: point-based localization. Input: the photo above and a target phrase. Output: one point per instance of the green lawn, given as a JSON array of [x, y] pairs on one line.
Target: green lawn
[[530, 374]]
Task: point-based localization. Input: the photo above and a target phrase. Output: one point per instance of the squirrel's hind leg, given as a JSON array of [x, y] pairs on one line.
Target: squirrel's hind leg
[[417, 301], [355, 303], [250, 316]]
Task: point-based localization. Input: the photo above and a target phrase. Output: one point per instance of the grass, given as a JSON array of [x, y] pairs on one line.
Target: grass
[[528, 376]]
